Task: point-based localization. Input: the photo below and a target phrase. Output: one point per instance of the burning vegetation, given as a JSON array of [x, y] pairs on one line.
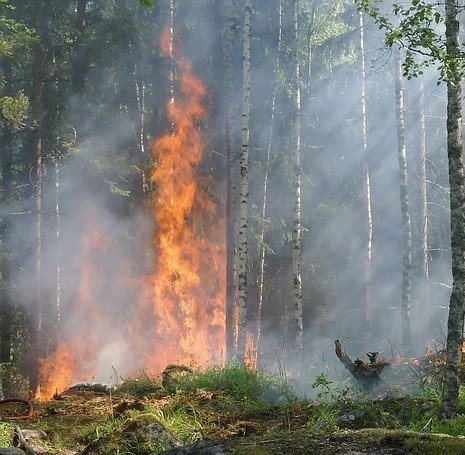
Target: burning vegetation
[[179, 312]]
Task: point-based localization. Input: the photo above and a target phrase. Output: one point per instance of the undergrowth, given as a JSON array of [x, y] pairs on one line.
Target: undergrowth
[[6, 431], [140, 387], [241, 384]]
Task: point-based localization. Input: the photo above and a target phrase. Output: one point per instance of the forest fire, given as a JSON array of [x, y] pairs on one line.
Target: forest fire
[[75, 356], [179, 312], [186, 291]]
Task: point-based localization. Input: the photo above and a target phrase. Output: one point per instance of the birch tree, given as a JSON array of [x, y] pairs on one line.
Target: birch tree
[[367, 189], [244, 187], [424, 198], [297, 226], [405, 210], [231, 181]]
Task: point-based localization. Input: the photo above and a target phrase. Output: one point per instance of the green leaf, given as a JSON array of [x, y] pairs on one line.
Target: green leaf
[[146, 2]]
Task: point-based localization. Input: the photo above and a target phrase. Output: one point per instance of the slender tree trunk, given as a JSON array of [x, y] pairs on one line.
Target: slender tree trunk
[[171, 50], [58, 309], [424, 200], [231, 184], [79, 77], [244, 194], [404, 204], [310, 34], [457, 207], [297, 229], [140, 98], [36, 177], [367, 190], [6, 309], [261, 235]]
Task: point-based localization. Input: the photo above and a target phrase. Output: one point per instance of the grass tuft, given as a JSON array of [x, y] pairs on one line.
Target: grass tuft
[[140, 387], [6, 433], [240, 384]]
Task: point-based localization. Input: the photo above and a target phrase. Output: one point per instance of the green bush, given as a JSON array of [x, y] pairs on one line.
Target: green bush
[[241, 384]]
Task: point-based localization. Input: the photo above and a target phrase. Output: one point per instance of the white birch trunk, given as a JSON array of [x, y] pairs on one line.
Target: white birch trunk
[[244, 188], [231, 186], [297, 227], [424, 200], [367, 191], [58, 241], [404, 204]]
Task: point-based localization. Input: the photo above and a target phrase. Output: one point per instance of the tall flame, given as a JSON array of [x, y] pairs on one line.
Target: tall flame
[[186, 292], [179, 315]]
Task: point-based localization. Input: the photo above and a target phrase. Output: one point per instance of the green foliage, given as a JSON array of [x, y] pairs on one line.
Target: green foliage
[[13, 382], [418, 28], [144, 386], [324, 384], [146, 2], [14, 110], [6, 431], [324, 417], [182, 421], [241, 384]]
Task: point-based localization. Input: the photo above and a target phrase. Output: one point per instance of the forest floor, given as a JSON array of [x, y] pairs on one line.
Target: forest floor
[[237, 411]]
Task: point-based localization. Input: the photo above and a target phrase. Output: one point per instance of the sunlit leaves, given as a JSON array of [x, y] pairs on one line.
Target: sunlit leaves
[[418, 28], [14, 109]]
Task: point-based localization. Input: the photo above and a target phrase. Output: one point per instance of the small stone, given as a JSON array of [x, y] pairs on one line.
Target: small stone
[[11, 451], [157, 432]]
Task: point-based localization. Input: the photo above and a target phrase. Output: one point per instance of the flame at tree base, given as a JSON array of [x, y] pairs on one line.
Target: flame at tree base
[[179, 315], [185, 295]]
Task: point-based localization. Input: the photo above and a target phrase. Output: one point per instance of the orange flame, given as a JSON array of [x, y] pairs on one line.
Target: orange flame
[[179, 315], [186, 292], [250, 351], [75, 356]]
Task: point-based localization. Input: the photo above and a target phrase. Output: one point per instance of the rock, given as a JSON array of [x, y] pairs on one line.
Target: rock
[[201, 448], [157, 432], [11, 451], [364, 416], [28, 435]]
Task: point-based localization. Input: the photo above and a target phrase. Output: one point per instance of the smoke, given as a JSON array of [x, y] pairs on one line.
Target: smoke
[[105, 245]]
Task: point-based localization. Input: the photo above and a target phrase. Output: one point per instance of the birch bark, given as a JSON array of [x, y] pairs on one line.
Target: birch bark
[[405, 210], [244, 188], [297, 227]]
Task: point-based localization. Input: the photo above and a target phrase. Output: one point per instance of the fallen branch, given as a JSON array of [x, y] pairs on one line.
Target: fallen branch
[[20, 441]]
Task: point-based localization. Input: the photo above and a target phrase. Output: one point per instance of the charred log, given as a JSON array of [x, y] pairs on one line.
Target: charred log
[[367, 373]]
